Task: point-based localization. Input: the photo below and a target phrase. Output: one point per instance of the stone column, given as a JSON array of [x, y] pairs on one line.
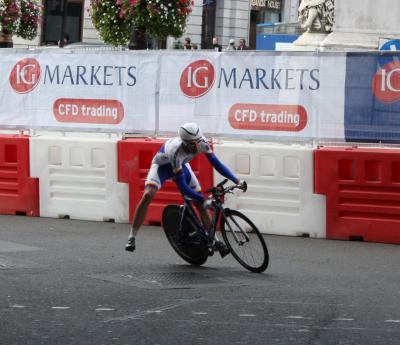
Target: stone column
[[360, 24]]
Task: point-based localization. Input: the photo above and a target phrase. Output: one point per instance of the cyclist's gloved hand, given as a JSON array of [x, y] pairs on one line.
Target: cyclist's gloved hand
[[243, 185], [207, 203]]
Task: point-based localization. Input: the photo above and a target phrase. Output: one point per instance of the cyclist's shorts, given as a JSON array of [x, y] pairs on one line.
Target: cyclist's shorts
[[158, 174]]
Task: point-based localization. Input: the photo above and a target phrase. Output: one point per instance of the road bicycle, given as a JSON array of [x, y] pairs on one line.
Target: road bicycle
[[195, 244]]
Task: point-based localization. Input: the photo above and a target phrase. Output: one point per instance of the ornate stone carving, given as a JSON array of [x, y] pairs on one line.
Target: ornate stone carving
[[316, 15]]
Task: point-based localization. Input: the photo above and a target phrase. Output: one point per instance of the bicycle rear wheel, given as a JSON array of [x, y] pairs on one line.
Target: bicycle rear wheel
[[245, 241], [194, 253]]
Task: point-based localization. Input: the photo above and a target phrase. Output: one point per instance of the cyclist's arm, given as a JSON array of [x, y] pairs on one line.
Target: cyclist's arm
[[185, 188], [221, 168]]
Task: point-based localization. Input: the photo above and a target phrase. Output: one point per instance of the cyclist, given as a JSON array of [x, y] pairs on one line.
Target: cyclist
[[172, 161]]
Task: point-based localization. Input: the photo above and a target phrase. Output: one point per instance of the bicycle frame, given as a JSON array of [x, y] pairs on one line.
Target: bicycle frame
[[194, 242], [191, 213], [209, 236]]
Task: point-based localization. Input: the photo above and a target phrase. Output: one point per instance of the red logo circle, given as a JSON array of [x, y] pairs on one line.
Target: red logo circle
[[25, 75], [386, 83], [197, 78]]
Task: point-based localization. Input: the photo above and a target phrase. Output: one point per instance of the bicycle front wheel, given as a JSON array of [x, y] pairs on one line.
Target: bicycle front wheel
[[245, 241]]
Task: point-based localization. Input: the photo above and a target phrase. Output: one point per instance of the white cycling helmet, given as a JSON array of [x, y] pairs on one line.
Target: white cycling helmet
[[190, 132]]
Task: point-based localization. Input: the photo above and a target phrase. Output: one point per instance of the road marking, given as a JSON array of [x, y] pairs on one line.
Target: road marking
[[61, 308], [246, 315], [104, 309], [342, 319], [199, 313], [294, 317], [393, 321], [17, 306], [235, 301], [254, 322], [142, 314]]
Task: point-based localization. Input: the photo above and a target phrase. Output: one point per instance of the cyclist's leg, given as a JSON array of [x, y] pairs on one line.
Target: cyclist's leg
[[152, 185], [155, 179], [205, 217], [140, 214], [141, 208], [193, 182]]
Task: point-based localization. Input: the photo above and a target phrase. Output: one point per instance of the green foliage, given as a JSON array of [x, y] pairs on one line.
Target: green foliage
[[161, 18], [113, 19], [110, 20], [20, 17], [28, 23]]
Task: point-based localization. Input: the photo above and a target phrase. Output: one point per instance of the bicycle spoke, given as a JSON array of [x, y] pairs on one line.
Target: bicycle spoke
[[245, 241]]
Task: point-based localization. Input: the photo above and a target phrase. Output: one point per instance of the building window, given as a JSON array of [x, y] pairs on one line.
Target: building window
[[208, 24], [62, 18], [263, 12]]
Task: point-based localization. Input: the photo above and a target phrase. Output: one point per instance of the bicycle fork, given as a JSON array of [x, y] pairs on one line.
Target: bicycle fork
[[244, 233]]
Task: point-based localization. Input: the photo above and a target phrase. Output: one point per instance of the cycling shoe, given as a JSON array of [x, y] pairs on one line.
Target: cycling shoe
[[130, 245], [222, 248]]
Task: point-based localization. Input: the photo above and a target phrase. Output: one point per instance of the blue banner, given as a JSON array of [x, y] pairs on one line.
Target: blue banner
[[372, 98]]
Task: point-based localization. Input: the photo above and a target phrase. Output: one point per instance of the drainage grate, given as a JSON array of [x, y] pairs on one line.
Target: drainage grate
[[173, 280]]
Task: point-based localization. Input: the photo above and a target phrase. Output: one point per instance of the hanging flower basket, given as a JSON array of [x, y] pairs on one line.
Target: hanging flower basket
[[161, 18], [110, 19], [29, 19], [18, 17], [114, 19], [9, 16]]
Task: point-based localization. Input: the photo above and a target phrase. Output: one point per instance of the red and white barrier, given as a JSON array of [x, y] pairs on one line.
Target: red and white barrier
[[19, 192], [95, 176], [362, 188], [78, 177], [280, 198]]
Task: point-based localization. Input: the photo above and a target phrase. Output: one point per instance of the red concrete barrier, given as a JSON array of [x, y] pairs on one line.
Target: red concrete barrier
[[362, 188], [19, 193], [134, 160]]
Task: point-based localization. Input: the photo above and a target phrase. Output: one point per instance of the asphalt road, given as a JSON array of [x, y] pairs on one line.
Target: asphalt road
[[70, 282]]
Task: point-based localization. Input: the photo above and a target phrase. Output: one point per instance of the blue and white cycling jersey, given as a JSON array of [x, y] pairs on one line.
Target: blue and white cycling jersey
[[171, 161], [173, 153]]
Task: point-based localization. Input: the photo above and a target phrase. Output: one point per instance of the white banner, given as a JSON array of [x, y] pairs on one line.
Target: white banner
[[110, 91], [254, 94]]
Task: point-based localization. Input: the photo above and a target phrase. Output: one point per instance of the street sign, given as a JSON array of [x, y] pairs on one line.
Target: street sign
[[389, 45]]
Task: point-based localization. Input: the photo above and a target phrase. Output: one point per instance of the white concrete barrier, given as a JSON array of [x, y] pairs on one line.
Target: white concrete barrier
[[78, 177], [280, 198]]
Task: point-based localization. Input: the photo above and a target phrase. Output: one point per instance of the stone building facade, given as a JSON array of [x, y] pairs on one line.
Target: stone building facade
[[225, 19]]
